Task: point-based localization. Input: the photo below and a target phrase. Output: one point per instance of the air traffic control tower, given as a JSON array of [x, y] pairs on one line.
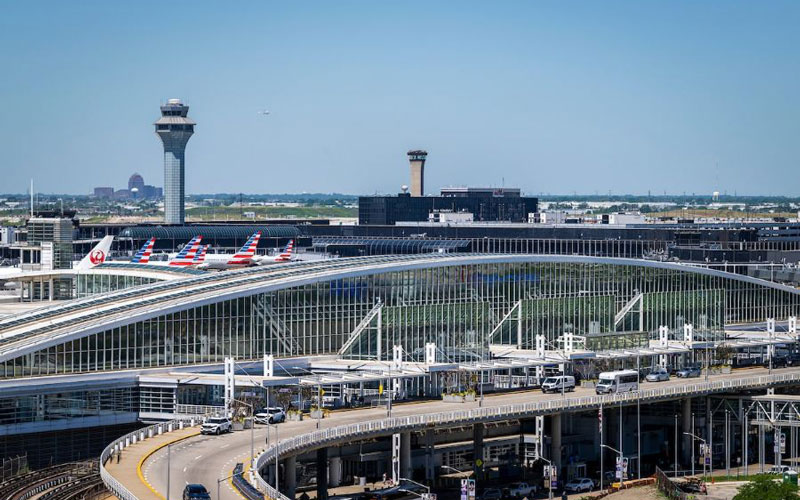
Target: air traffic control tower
[[174, 128], [417, 160]]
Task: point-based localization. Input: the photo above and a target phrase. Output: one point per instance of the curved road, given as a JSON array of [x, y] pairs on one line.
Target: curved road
[[204, 459]]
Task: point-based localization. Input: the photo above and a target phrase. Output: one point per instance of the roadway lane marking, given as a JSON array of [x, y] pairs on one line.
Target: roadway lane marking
[[198, 457], [184, 469]]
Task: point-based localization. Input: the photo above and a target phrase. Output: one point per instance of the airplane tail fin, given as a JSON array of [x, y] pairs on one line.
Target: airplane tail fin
[[144, 253], [286, 254], [201, 255], [247, 251], [186, 256], [97, 255]]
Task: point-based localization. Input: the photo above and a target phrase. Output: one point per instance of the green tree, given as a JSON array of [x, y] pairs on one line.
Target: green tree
[[765, 488]]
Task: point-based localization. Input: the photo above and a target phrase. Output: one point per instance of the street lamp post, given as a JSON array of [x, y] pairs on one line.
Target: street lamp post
[[549, 479], [704, 445], [676, 447], [252, 429], [621, 458]]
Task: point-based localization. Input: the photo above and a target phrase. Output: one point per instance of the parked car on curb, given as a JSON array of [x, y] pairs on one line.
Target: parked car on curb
[[555, 384], [690, 371], [779, 469], [271, 415], [491, 494], [579, 485], [520, 489], [777, 362], [216, 425], [658, 375], [195, 492]]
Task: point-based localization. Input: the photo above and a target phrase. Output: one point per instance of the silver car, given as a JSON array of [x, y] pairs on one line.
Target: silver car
[[688, 372], [658, 375]]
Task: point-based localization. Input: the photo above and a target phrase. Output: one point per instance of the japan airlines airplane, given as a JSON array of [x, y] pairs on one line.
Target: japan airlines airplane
[[246, 256], [97, 255]]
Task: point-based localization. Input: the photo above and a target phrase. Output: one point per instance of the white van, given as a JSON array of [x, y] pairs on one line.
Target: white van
[[621, 381], [555, 383]]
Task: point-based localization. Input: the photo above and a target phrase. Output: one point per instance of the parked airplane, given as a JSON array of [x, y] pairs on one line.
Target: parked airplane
[[286, 255], [144, 253], [246, 256], [186, 256], [201, 255], [97, 255]]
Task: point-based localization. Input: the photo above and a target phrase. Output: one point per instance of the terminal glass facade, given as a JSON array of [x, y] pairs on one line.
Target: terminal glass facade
[[459, 307]]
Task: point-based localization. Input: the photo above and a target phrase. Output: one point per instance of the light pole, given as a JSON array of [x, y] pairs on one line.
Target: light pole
[[427, 488], [269, 427], [549, 479], [704, 455], [252, 429], [621, 458], [676, 447], [219, 481], [169, 466]]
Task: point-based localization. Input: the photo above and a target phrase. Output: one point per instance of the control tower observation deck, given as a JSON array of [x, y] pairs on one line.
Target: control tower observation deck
[[174, 128]]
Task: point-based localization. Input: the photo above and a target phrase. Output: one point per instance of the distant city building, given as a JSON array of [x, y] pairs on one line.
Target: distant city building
[[137, 189], [174, 128], [135, 181], [104, 192]]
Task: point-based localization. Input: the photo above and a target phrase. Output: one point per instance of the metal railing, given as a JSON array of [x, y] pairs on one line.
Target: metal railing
[[118, 445], [327, 437]]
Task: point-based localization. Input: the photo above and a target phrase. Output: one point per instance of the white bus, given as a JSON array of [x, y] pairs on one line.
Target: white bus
[[621, 381]]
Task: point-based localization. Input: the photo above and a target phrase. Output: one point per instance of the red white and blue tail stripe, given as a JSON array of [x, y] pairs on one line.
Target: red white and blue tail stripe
[[144, 253], [201, 255], [245, 254], [286, 254], [186, 256]]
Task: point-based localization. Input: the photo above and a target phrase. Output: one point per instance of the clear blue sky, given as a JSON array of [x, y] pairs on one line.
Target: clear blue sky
[[553, 97]]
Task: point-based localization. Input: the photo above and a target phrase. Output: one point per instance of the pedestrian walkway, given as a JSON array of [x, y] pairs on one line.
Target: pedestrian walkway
[[128, 469]]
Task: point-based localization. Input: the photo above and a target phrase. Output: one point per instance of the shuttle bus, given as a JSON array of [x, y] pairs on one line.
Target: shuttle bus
[[620, 381]]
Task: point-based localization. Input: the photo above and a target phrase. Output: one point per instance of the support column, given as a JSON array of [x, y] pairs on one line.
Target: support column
[[429, 457], [477, 450], [322, 474], [555, 443], [686, 442], [290, 476], [50, 290], [334, 471], [405, 454]]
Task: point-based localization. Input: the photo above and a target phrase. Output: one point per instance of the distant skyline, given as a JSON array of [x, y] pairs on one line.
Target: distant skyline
[[560, 98]]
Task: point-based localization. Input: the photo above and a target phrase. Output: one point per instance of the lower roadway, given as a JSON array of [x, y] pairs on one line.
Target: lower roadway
[[204, 459]]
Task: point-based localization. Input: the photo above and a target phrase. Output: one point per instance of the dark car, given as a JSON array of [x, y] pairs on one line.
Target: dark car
[[793, 359], [777, 362], [195, 492]]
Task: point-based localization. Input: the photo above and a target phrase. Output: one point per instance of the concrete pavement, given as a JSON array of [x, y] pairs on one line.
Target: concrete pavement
[[205, 459], [127, 470]]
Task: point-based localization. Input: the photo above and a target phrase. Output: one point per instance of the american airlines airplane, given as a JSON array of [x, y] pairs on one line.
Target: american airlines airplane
[[187, 255], [144, 253], [246, 256]]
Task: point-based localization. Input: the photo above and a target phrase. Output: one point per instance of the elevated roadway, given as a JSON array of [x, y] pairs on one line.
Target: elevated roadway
[[204, 459]]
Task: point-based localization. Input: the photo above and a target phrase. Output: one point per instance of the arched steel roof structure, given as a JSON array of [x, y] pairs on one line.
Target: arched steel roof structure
[[35, 331]]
